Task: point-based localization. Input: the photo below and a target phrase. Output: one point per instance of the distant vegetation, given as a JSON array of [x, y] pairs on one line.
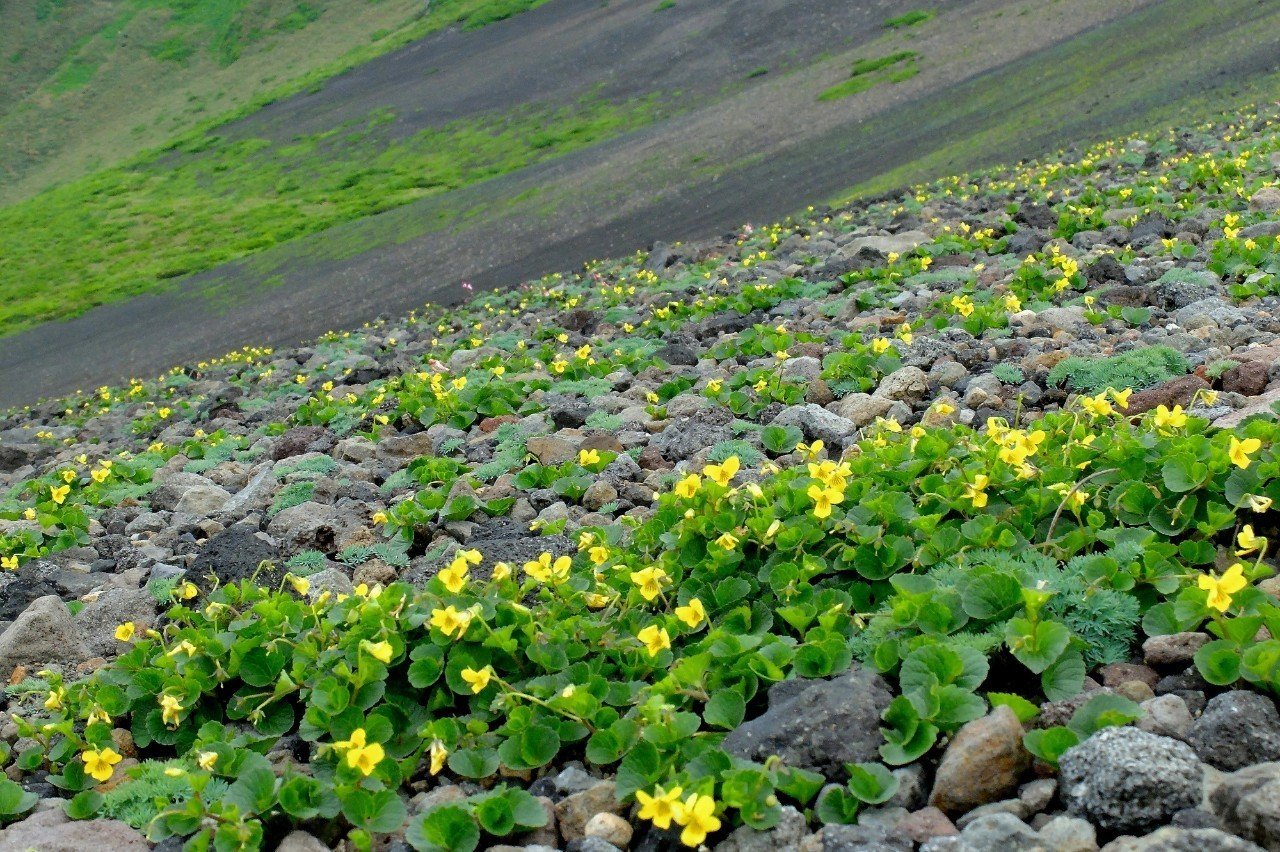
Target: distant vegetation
[[122, 231], [866, 73], [910, 19]]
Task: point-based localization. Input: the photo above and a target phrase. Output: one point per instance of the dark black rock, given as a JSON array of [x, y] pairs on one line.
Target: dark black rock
[[1237, 729]]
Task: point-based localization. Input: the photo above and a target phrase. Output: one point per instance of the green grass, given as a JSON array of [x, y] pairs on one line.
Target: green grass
[[125, 230], [867, 73], [910, 19], [113, 78]]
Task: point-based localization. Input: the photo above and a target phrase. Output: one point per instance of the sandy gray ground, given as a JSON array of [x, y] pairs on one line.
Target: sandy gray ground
[[748, 151]]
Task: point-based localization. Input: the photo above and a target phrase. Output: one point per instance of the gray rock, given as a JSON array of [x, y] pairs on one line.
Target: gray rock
[[1210, 311], [203, 501], [98, 620], [821, 726], [1247, 802], [817, 423], [855, 838], [43, 633], [1069, 834], [861, 409], [1173, 649], [1004, 832], [685, 436], [1237, 729], [301, 841], [308, 525], [1166, 716], [1062, 319], [235, 553], [332, 580], [906, 384], [1174, 839], [52, 831], [1127, 780]]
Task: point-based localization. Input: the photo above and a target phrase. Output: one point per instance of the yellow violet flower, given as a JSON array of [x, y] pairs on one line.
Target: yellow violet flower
[[301, 585], [659, 807], [944, 408], [724, 472], [59, 493], [438, 754], [1169, 418], [587, 457], [1221, 589], [976, 491], [689, 486], [454, 577], [380, 651], [1240, 451], [361, 755], [880, 345], [697, 815], [171, 709], [599, 554], [1248, 542], [9, 563], [692, 613], [100, 764], [544, 570], [68, 476], [714, 385], [206, 760], [728, 541], [823, 499], [477, 680], [1257, 502], [650, 580], [187, 591], [124, 632], [449, 621], [1121, 397], [654, 639], [501, 571], [379, 517], [54, 701]]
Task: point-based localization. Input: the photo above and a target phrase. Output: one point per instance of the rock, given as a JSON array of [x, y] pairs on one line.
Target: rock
[[1249, 378], [1167, 716], [862, 409], [235, 553], [1237, 729], [573, 812], [598, 494], [982, 764], [1037, 795], [1127, 780], [1174, 839], [52, 831], [1062, 319], [296, 441], [1174, 648], [610, 828], [1256, 405], [906, 384], [1003, 832], [203, 501], [819, 725], [1179, 391], [783, 837], [1114, 674], [1247, 802], [552, 449], [854, 838], [98, 620], [307, 526], [684, 437], [817, 423], [301, 841], [926, 823], [1069, 834], [44, 633], [398, 450], [1266, 200], [678, 355]]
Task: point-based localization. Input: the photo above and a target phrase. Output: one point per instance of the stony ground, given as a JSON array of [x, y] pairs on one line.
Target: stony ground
[[1118, 288]]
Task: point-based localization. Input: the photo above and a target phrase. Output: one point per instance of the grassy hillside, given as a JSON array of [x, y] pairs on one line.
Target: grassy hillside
[[88, 84]]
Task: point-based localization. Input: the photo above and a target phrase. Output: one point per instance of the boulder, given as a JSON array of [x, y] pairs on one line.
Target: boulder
[[1237, 729], [982, 764]]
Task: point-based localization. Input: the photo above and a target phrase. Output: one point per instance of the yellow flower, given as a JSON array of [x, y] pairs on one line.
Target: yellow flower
[[659, 808], [54, 701], [1257, 502], [206, 760], [1121, 397], [477, 680], [1221, 589], [650, 580], [100, 474], [361, 755], [810, 451], [379, 517], [1012, 303], [68, 476], [823, 499], [59, 493], [976, 491], [9, 563], [501, 571], [29, 513], [124, 632], [599, 554], [171, 709], [904, 333], [781, 355], [944, 408], [455, 576], [100, 764], [654, 639], [544, 570], [962, 305], [301, 585], [692, 613], [689, 486], [880, 345], [715, 385], [1248, 542], [697, 815], [724, 472], [449, 620], [587, 457], [380, 651], [1169, 418], [728, 541], [438, 755], [187, 591], [1239, 451], [1098, 406]]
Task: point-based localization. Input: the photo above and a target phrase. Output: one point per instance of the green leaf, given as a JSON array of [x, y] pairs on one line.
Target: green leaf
[[1107, 710], [1183, 473], [254, 791], [530, 748], [474, 762], [1036, 646], [1021, 707], [1049, 744], [838, 806], [306, 798], [427, 665], [1219, 662], [14, 800], [450, 828], [1065, 678], [780, 439], [84, 805], [871, 782], [992, 596], [726, 709], [495, 815]]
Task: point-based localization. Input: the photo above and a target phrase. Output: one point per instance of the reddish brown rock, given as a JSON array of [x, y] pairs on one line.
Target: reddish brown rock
[[983, 763], [925, 823], [1249, 378], [1114, 674], [1177, 391]]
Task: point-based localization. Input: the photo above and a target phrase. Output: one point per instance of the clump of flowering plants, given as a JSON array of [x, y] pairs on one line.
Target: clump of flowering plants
[[639, 651]]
